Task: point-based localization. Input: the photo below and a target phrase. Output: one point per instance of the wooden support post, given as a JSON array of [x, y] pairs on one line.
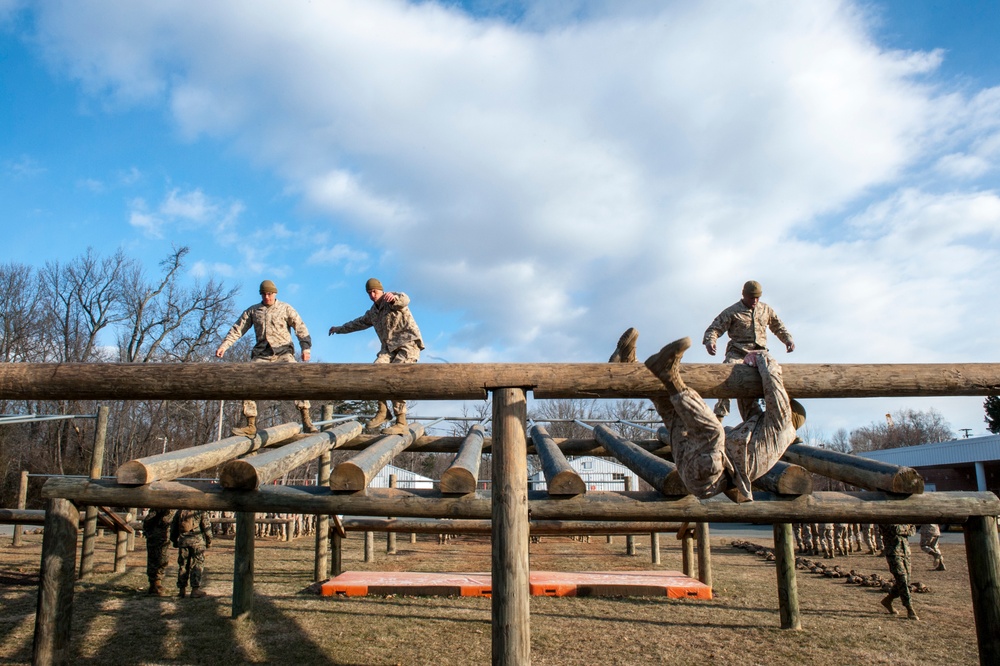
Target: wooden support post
[[22, 503], [337, 551], [54, 612], [704, 553], [511, 624], [96, 466], [982, 551], [369, 546], [413, 537], [560, 478], [121, 545], [390, 537], [321, 568], [130, 546], [461, 476], [630, 538], [687, 549], [243, 565], [654, 547], [784, 561]]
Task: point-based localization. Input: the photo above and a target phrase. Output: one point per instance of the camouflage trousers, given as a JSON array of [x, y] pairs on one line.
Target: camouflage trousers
[[190, 565], [408, 353], [250, 406], [744, 405], [897, 555], [157, 559], [929, 544]]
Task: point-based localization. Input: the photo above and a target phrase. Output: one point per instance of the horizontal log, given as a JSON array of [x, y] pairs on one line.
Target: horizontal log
[[461, 476], [658, 473], [785, 479], [183, 462], [537, 527], [22, 516], [825, 507], [355, 474], [569, 446], [855, 470], [560, 479], [472, 381]]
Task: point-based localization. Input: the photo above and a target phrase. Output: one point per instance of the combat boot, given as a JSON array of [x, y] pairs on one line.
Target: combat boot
[[155, 589], [381, 416], [625, 351], [399, 428], [665, 364], [307, 424], [940, 564], [250, 430], [197, 593], [887, 602], [182, 592], [911, 614]]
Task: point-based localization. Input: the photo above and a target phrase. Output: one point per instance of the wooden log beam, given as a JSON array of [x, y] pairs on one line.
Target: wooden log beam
[[54, 611], [825, 507], [786, 479], [252, 472], [855, 470], [659, 473], [461, 476], [182, 462], [355, 474], [569, 446], [561, 480], [22, 516], [536, 527], [471, 381]]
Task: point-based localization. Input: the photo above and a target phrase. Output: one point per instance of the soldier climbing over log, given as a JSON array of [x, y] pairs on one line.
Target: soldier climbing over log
[[711, 459]]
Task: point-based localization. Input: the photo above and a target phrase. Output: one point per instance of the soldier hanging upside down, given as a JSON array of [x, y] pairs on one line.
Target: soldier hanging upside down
[[710, 458]]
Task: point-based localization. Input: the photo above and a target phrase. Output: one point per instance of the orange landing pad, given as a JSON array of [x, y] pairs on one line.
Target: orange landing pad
[[672, 584]]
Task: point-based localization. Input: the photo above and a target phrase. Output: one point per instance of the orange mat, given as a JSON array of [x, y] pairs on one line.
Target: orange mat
[[672, 584]]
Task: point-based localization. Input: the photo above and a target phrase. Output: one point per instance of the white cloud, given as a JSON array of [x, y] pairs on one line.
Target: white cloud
[[180, 209]]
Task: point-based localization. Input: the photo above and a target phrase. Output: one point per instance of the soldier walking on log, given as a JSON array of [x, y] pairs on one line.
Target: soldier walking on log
[[156, 530], [272, 321], [746, 321], [400, 337], [712, 459], [929, 537], [191, 534], [897, 555]]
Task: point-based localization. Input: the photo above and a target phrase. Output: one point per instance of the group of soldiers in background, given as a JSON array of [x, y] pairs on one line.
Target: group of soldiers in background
[[187, 530], [833, 539]]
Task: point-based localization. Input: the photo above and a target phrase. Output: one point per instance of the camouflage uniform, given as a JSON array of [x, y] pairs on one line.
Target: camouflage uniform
[[191, 534], [396, 329], [709, 456], [840, 538], [747, 329], [156, 529], [817, 539], [827, 540], [272, 326], [929, 537], [897, 555]]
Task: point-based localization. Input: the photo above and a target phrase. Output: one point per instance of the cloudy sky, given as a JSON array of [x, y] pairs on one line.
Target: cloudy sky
[[537, 176]]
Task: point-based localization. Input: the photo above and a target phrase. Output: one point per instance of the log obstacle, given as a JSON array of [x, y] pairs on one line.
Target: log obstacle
[[355, 474], [485, 527], [461, 476], [786, 479], [660, 474], [560, 479], [855, 470]]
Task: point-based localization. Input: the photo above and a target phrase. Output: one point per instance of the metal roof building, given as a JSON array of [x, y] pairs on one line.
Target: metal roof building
[[404, 478], [597, 473], [961, 464]]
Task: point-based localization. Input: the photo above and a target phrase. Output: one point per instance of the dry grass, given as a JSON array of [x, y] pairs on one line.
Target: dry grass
[[114, 622]]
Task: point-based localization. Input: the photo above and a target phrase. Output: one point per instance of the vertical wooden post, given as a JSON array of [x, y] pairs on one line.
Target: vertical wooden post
[[390, 537], [982, 551], [22, 503], [121, 546], [133, 512], [54, 612], [338, 553], [704, 553], [654, 547], [510, 600], [784, 561], [369, 546], [629, 539], [687, 550], [413, 537], [321, 568], [96, 467], [243, 564]]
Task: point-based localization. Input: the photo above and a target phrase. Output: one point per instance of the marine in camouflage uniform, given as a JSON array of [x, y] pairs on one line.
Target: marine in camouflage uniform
[[827, 540], [897, 555], [817, 538], [746, 322], [272, 321], [840, 538], [929, 537], [399, 334], [156, 530], [712, 459], [191, 534]]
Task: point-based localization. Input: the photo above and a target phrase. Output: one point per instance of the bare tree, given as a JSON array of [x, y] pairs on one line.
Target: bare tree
[[907, 428], [21, 318]]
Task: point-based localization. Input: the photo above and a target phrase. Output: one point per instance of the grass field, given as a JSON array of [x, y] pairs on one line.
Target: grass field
[[115, 622]]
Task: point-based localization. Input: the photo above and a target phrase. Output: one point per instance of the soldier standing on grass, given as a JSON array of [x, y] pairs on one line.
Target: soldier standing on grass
[[929, 537], [272, 321], [191, 534], [390, 316], [897, 555], [156, 529], [746, 321]]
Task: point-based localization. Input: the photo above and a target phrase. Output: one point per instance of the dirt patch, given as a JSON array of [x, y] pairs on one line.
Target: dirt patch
[[116, 622]]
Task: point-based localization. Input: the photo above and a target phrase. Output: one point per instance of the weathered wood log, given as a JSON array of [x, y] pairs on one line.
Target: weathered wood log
[[982, 552], [825, 507], [90, 513], [175, 464], [22, 502], [786, 479], [472, 526], [471, 381], [659, 473], [560, 479], [511, 625], [355, 474], [654, 547], [461, 476], [788, 592], [569, 446], [252, 472], [54, 611], [22, 516], [855, 470], [321, 561], [243, 557], [701, 535]]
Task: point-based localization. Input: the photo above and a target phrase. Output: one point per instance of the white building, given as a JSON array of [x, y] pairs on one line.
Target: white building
[[597, 474], [404, 478]]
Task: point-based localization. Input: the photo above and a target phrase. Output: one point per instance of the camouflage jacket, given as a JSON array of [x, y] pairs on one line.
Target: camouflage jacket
[[156, 524], [191, 528], [273, 326], [747, 328], [393, 323]]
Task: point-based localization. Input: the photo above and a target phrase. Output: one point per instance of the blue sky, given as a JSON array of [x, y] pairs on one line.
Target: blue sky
[[536, 176]]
